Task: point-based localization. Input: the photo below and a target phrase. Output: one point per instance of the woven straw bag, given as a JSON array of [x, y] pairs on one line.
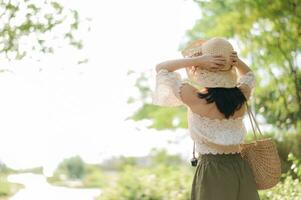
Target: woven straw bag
[[262, 157]]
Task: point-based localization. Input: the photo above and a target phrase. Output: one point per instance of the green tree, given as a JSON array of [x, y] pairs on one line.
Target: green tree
[[25, 20], [73, 167], [269, 34], [3, 168]]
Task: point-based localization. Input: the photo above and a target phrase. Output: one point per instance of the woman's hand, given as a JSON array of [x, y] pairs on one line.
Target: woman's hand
[[242, 67], [234, 58], [210, 62]]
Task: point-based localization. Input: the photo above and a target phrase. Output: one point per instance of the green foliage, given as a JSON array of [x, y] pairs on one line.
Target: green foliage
[[73, 168], [34, 170], [74, 172], [162, 117], [5, 188], [6, 170], [289, 189], [289, 143], [3, 168], [126, 161], [296, 166], [161, 157], [116, 163], [35, 21], [269, 34], [161, 182], [94, 177], [163, 179]]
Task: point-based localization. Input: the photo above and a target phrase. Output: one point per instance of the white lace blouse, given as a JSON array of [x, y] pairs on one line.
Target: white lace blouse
[[218, 131]]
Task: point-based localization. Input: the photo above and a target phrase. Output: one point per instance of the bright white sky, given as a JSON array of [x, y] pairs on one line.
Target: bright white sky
[[69, 109]]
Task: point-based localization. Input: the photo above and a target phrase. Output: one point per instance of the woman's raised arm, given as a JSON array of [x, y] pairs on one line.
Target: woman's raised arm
[[208, 62], [239, 64], [246, 82]]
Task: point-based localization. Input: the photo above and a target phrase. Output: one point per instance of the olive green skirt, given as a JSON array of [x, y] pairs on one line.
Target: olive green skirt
[[223, 177]]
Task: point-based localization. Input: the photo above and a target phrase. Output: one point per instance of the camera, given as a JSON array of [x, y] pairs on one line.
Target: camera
[[194, 162]]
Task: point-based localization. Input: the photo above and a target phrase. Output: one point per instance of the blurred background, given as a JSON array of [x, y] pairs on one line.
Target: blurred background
[[76, 79]]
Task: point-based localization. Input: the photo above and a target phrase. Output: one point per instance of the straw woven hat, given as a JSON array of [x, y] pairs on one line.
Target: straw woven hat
[[225, 77]]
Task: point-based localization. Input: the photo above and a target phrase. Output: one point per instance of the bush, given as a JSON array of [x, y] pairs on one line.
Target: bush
[[153, 183], [290, 187], [73, 168], [94, 177], [74, 172], [286, 144], [164, 177], [5, 188], [3, 168]]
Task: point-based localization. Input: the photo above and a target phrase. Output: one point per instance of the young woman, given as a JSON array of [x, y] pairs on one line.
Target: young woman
[[215, 116]]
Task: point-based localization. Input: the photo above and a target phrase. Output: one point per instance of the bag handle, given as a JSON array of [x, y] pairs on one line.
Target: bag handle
[[193, 153], [252, 117]]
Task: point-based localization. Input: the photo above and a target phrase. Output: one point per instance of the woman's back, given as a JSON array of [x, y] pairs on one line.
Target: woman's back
[[210, 110], [191, 98]]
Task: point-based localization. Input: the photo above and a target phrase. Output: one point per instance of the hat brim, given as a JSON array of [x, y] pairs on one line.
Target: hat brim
[[192, 48]]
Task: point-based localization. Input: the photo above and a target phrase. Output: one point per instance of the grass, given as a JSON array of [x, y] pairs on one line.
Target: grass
[[8, 189]]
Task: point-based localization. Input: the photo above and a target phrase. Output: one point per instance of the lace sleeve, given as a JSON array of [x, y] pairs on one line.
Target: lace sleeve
[[167, 90], [249, 80]]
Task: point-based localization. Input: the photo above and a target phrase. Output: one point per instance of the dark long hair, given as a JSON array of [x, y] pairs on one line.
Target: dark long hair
[[227, 100]]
